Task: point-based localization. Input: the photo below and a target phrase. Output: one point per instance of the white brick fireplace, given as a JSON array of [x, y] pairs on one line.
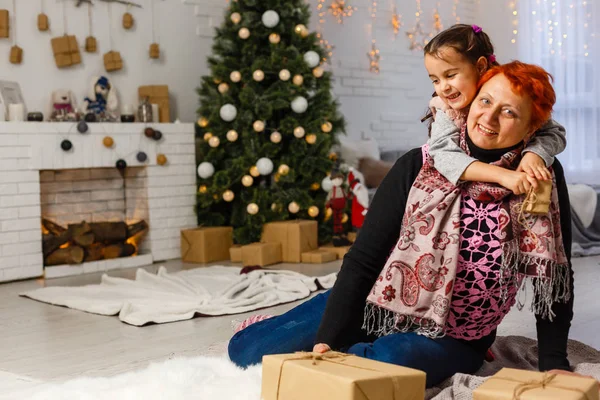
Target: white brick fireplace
[[38, 178]]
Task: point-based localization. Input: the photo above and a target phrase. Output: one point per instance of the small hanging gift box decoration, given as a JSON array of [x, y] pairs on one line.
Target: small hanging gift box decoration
[[154, 50], [113, 61], [538, 201], [4, 24], [66, 51], [43, 22], [128, 21], [91, 45], [16, 55]]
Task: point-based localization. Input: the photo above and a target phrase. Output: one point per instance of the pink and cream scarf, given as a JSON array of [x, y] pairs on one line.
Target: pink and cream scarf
[[414, 289]]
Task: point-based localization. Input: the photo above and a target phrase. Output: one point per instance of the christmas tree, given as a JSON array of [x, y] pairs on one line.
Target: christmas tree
[[267, 121]]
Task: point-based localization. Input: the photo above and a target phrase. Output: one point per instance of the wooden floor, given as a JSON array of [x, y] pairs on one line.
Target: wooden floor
[[49, 343]]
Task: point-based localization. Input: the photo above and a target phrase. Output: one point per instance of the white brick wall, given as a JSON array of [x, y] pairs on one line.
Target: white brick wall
[[37, 178]]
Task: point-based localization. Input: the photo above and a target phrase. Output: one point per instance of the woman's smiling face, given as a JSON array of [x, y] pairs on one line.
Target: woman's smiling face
[[499, 117]]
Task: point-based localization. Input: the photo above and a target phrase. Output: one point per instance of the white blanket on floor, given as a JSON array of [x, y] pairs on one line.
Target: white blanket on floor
[[179, 296]]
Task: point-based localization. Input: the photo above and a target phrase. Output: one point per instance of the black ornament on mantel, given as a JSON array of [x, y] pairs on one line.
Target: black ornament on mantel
[[90, 117], [121, 164], [82, 127], [66, 145], [157, 135], [141, 156], [149, 132]]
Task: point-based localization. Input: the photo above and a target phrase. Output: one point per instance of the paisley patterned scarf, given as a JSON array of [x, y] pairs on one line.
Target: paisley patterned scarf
[[421, 269]]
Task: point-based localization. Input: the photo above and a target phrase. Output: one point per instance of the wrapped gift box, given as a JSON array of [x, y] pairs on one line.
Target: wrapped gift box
[[113, 61], [352, 236], [340, 252], [154, 51], [296, 237], [157, 94], [235, 253], [318, 257], [4, 24], [16, 55], [43, 22], [261, 254], [528, 385], [66, 51], [206, 244], [338, 377], [91, 44]]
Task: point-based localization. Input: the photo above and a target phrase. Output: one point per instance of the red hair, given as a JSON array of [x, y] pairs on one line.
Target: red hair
[[527, 80]]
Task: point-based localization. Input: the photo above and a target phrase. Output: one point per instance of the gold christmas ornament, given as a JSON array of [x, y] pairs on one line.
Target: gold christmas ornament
[[228, 195], [254, 171], [284, 75], [214, 141], [301, 30], [275, 137], [108, 141], [161, 159], [274, 38], [258, 75], [202, 189], [345, 218], [298, 80], [247, 180], [244, 33], [315, 186], [299, 132], [283, 169], [203, 122], [252, 208], [258, 126], [318, 72], [311, 139], [207, 136], [333, 156], [328, 213], [313, 211], [277, 177], [326, 127], [217, 81], [235, 76], [236, 18], [223, 88], [275, 207], [232, 136], [293, 207]]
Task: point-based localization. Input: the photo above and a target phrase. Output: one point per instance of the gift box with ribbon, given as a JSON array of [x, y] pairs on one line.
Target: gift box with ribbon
[[515, 384], [337, 376]]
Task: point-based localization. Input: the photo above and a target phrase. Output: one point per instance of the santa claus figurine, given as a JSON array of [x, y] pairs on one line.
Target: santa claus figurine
[[360, 198], [336, 200]]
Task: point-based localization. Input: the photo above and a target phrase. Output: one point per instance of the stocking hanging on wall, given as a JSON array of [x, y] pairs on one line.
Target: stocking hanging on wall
[[16, 53], [43, 22], [91, 45], [154, 47], [112, 59], [65, 48]]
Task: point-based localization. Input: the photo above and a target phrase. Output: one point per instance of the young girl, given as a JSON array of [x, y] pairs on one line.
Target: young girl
[[455, 59]]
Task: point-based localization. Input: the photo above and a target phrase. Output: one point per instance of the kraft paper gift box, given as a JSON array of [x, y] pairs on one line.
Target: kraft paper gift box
[[261, 254], [318, 257], [16, 55], [337, 377], [4, 24], [206, 244], [113, 61], [296, 237], [154, 51], [157, 94], [43, 22], [538, 201], [91, 44], [235, 253], [509, 384], [66, 51], [340, 252]]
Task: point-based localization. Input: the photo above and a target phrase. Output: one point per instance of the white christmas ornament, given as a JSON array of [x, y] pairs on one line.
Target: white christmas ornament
[[205, 170], [228, 112], [270, 19], [311, 58], [264, 165], [293, 207], [326, 184], [299, 104]]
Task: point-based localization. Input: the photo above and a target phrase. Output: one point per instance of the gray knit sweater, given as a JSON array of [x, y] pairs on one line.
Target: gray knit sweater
[[451, 161]]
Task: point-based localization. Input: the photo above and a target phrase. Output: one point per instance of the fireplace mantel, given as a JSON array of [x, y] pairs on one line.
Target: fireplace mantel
[[26, 148]]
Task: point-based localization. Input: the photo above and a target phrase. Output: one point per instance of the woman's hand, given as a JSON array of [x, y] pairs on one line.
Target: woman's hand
[[321, 348], [517, 182], [534, 166]]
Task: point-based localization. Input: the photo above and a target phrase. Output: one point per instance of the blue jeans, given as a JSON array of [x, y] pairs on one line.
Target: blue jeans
[[296, 331]]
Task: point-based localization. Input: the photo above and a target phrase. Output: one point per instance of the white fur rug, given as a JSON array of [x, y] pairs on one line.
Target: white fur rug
[[168, 297]]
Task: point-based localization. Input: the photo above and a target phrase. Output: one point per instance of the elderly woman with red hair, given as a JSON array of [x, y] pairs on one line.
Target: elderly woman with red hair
[[459, 255]]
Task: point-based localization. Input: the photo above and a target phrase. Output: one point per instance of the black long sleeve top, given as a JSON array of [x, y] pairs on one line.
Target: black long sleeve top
[[343, 317]]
